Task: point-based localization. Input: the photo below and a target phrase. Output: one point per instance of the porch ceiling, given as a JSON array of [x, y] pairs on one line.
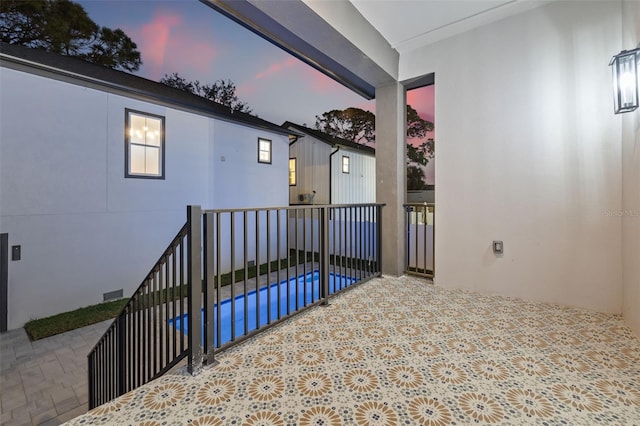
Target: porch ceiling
[[359, 42]]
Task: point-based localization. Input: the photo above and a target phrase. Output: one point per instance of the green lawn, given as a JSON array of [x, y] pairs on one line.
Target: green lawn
[[49, 326]]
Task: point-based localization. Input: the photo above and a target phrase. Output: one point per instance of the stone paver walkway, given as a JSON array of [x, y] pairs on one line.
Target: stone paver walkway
[[45, 382]]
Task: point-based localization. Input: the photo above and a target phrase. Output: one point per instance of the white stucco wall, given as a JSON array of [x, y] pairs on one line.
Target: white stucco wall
[[631, 185], [529, 153], [83, 227]]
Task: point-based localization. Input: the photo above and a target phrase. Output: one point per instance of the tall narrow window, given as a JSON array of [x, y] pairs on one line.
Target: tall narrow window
[[264, 151], [345, 164], [144, 145], [292, 172]]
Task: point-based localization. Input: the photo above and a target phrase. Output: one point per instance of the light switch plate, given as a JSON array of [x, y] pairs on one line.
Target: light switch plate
[[498, 247]]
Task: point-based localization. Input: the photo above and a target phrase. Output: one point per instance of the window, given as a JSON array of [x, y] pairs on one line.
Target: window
[[292, 172], [264, 151], [345, 164], [144, 145]]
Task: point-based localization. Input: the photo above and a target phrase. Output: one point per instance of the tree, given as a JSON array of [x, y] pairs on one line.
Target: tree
[[221, 91], [63, 27], [415, 178], [357, 125], [114, 49], [352, 124]]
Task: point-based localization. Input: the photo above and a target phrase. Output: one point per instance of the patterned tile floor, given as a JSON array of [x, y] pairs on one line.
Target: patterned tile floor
[[399, 351]]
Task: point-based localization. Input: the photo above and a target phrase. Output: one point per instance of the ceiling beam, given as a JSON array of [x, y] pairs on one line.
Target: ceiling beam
[[296, 28]]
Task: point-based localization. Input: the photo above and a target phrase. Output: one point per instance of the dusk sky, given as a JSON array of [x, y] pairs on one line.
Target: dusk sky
[[188, 37]]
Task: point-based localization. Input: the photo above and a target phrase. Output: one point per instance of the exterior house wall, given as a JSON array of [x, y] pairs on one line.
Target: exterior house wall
[[312, 169], [83, 227], [359, 185], [319, 169], [529, 153]]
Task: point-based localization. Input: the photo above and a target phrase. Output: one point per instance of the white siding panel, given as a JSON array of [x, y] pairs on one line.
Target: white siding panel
[[357, 186], [313, 169]]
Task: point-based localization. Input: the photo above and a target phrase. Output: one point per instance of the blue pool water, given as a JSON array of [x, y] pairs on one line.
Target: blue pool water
[[306, 287]]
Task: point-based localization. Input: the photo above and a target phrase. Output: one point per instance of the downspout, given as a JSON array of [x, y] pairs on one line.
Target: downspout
[[330, 173]]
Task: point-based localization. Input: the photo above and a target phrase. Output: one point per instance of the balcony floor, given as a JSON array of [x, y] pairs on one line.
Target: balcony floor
[[400, 351]]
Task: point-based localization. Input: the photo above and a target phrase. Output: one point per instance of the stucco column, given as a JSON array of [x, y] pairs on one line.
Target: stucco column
[[391, 173]]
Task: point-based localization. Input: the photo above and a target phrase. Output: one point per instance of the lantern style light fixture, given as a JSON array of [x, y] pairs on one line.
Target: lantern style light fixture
[[625, 80]]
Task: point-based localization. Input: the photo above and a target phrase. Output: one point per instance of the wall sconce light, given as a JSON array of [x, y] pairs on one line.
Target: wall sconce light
[[625, 80]]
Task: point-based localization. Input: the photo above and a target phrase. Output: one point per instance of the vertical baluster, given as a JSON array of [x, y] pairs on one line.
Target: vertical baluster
[[154, 319], [165, 304], [245, 282], [425, 212], [233, 267], [340, 234], [257, 220], [268, 266], [208, 287], [288, 217], [304, 248], [218, 317], [297, 254], [313, 255], [174, 313], [359, 242], [433, 243], [181, 296], [278, 244]]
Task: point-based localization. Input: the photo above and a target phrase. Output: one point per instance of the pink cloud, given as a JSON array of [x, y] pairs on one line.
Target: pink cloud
[[152, 39], [167, 46], [246, 89], [316, 80], [321, 82], [277, 68]]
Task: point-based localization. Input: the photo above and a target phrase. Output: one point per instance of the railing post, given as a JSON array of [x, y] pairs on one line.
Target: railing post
[[324, 254], [433, 245], [194, 288], [208, 253], [122, 353], [91, 381]]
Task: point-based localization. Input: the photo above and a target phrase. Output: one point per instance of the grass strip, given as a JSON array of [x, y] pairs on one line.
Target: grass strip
[[56, 324]]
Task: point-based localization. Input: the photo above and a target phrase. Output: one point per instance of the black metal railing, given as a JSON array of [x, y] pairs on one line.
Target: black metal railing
[[254, 268], [420, 228], [140, 345], [283, 260]]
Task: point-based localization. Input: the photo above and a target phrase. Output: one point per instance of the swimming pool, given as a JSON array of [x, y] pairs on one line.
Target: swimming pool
[[298, 292]]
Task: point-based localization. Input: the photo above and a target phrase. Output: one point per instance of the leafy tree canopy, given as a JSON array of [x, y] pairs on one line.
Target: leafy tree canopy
[[352, 124], [357, 125], [63, 27], [221, 91]]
